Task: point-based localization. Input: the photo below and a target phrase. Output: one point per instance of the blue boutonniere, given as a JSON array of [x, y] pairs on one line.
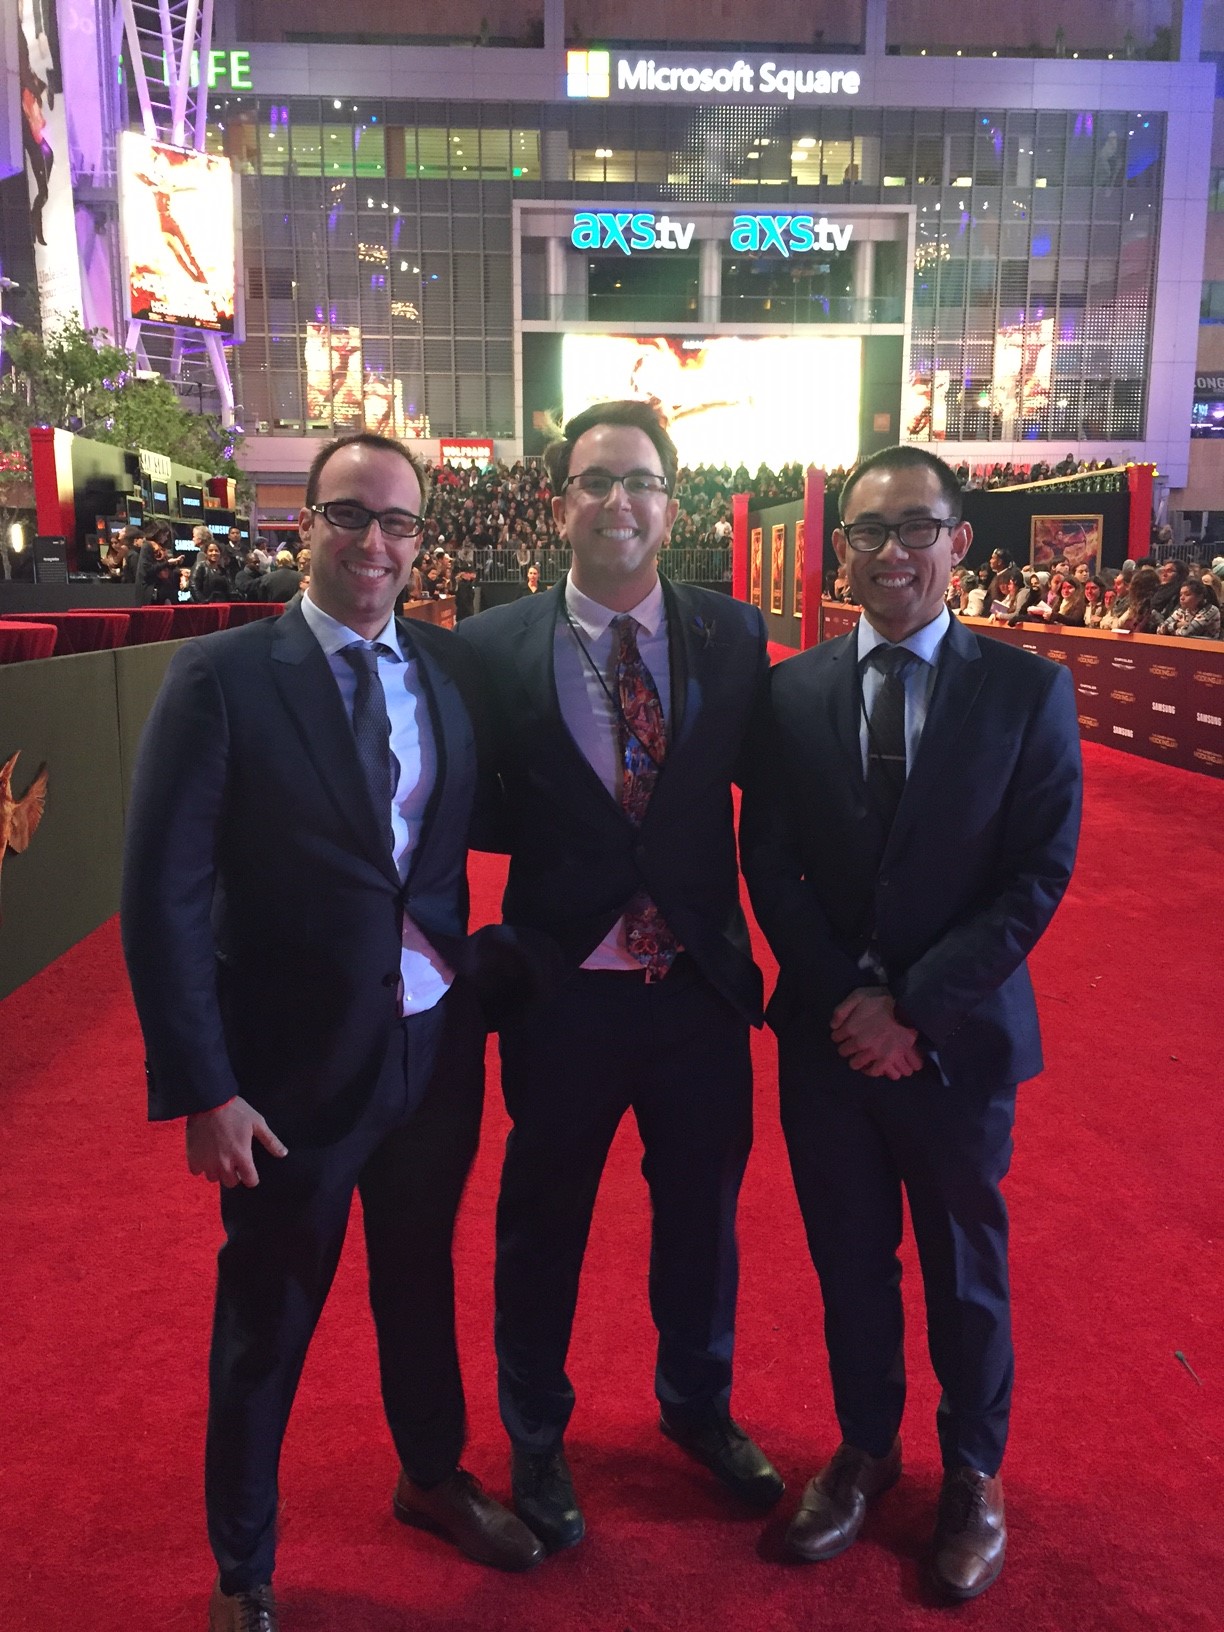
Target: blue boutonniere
[[705, 630]]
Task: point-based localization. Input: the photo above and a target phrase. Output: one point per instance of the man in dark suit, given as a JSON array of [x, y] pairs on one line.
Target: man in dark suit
[[622, 705], [353, 738], [908, 831]]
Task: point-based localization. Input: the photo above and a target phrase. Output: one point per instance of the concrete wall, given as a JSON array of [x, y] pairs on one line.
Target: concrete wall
[[81, 717]]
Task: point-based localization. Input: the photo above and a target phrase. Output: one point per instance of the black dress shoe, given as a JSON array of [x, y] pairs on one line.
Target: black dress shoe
[[462, 1510], [970, 1534], [544, 1498], [835, 1502], [735, 1461], [250, 1611]]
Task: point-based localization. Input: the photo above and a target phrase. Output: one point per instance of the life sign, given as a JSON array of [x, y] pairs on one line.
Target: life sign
[[788, 234], [626, 230]]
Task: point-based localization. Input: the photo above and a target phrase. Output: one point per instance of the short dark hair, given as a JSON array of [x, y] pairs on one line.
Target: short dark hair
[[364, 439], [904, 457], [639, 416]]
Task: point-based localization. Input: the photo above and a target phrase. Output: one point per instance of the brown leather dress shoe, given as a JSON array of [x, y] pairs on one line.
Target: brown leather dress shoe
[[462, 1510], [970, 1534], [251, 1611], [835, 1502]]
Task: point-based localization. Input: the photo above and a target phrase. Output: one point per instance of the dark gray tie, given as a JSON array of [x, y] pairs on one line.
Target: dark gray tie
[[886, 731], [372, 729]]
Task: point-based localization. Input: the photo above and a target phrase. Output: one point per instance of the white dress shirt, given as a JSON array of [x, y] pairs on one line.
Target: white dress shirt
[[586, 685], [918, 681], [424, 974]]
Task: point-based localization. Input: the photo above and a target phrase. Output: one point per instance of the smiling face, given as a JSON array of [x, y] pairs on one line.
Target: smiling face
[[355, 577], [616, 540], [900, 590]]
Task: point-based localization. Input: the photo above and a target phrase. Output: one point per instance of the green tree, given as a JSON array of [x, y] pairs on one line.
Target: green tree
[[74, 378]]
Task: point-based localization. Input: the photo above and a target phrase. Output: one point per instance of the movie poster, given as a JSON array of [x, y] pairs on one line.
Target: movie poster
[[777, 568], [1073, 539], [342, 393], [755, 551], [924, 407], [178, 234], [44, 141], [1020, 380], [800, 552]]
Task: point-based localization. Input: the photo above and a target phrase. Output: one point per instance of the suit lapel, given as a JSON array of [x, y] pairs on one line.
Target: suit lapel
[[845, 697], [442, 699], [684, 661], [311, 698]]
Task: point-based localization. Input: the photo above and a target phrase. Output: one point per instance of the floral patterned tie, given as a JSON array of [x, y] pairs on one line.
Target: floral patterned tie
[[642, 737]]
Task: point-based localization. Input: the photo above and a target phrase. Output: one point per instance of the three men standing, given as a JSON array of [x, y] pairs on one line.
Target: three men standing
[[909, 830], [621, 707], [910, 820]]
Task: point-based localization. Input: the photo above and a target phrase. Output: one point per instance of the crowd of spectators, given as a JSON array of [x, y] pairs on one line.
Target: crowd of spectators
[[498, 522], [1143, 597], [508, 508]]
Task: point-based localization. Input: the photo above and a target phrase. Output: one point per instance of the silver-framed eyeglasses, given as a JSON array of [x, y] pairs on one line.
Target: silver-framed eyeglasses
[[918, 533], [598, 484], [352, 517]]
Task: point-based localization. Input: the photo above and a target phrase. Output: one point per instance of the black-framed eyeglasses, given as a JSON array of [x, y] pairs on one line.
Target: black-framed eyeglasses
[[918, 533], [598, 484], [352, 517]]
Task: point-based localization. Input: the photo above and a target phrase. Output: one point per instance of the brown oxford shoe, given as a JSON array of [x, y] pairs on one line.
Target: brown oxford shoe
[[250, 1611], [835, 1502], [970, 1534], [462, 1510]]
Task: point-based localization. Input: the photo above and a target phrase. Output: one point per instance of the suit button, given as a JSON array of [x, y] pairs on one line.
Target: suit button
[[639, 853], [884, 883], [392, 979]]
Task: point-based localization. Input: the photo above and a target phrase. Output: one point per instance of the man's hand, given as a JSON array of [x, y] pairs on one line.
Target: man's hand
[[219, 1143], [871, 1038]]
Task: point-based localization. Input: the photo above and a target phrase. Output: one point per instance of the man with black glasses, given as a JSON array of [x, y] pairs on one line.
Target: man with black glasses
[[622, 706], [908, 830], [354, 738]]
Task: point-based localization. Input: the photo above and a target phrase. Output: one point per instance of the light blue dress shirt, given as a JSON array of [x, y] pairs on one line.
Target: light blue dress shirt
[[425, 975]]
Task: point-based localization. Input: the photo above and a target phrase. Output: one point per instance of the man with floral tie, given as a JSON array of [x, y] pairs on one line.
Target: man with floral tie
[[622, 704]]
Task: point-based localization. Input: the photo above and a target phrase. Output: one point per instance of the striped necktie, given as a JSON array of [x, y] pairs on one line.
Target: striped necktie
[[372, 729]]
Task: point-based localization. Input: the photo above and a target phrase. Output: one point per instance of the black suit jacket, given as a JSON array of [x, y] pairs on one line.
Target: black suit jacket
[[576, 860], [255, 864], [960, 890]]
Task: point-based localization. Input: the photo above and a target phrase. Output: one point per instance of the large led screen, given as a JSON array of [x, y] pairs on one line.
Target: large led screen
[[729, 401], [178, 234]]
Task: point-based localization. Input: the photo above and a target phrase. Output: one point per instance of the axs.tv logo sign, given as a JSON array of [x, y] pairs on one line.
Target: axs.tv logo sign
[[627, 231]]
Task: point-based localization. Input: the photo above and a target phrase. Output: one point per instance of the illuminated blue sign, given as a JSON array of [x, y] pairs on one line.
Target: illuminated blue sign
[[627, 230], [789, 234]]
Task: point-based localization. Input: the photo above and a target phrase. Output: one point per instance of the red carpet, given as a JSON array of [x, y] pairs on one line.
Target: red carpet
[[1115, 1466]]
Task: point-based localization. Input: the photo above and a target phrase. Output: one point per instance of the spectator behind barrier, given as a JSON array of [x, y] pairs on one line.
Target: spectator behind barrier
[[1197, 613]]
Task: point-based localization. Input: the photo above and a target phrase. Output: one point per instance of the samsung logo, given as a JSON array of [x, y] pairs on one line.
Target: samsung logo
[[1209, 719], [1164, 708], [1122, 731]]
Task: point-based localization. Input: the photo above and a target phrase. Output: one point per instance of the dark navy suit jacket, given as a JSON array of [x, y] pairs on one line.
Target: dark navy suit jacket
[[256, 868], [977, 859], [576, 860]]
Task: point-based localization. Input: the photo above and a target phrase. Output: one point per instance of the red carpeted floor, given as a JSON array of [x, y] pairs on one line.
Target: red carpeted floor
[[1114, 1473]]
